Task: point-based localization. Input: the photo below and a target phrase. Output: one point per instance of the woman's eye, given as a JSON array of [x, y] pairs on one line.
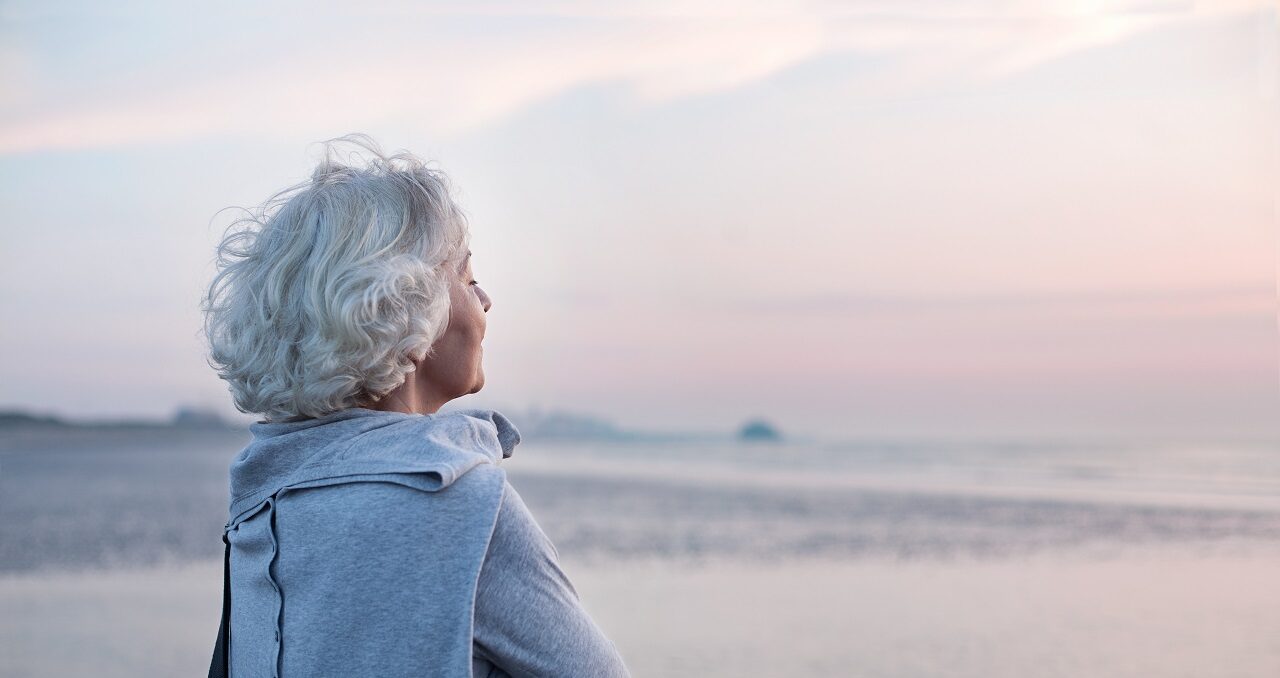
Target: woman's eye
[[474, 282]]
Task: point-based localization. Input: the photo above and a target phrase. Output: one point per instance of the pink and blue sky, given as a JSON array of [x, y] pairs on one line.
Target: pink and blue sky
[[864, 218]]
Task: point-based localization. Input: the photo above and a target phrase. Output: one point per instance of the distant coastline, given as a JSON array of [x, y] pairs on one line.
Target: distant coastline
[[183, 418], [562, 426], [535, 425]]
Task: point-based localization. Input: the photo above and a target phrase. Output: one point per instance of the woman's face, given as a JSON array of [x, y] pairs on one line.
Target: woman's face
[[454, 368]]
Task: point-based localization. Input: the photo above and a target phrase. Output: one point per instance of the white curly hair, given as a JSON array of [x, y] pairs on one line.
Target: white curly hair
[[327, 293]]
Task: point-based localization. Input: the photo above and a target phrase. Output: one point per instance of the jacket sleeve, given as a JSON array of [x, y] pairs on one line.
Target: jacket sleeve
[[529, 620]]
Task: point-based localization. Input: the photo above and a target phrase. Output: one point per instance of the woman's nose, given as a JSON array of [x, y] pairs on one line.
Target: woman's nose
[[485, 300]]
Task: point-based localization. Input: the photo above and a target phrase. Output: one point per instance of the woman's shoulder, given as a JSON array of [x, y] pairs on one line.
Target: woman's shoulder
[[428, 453], [471, 430]]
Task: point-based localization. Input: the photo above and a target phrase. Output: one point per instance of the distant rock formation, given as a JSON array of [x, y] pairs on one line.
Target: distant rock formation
[[16, 418], [183, 418], [195, 417], [565, 426], [758, 430]]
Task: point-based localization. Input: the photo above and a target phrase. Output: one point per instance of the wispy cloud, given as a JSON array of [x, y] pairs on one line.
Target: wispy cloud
[[1257, 299], [455, 68], [449, 82]]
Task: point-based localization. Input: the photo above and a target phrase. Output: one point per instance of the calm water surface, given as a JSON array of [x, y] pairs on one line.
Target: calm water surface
[[84, 498], [713, 558]]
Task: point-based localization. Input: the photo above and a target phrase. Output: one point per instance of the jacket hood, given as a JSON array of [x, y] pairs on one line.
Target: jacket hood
[[358, 444]]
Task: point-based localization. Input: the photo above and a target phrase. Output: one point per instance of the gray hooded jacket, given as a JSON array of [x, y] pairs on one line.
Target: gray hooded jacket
[[370, 543]]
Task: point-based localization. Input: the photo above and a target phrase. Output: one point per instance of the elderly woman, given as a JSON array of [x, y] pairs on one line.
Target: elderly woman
[[370, 535]]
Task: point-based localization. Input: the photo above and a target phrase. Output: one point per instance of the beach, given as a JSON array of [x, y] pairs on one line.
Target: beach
[[1154, 615]]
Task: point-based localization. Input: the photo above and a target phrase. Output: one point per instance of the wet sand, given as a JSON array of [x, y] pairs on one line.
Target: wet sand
[[1156, 613]]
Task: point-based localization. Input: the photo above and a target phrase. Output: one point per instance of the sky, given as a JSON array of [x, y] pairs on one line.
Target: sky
[[853, 219]]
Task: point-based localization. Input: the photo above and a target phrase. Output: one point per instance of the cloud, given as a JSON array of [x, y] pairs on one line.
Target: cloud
[[450, 83], [459, 68], [1256, 299]]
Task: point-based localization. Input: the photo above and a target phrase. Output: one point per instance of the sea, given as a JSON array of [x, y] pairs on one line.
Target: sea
[[706, 556]]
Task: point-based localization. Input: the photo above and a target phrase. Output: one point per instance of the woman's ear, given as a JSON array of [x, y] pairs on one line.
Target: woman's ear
[[417, 360]]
